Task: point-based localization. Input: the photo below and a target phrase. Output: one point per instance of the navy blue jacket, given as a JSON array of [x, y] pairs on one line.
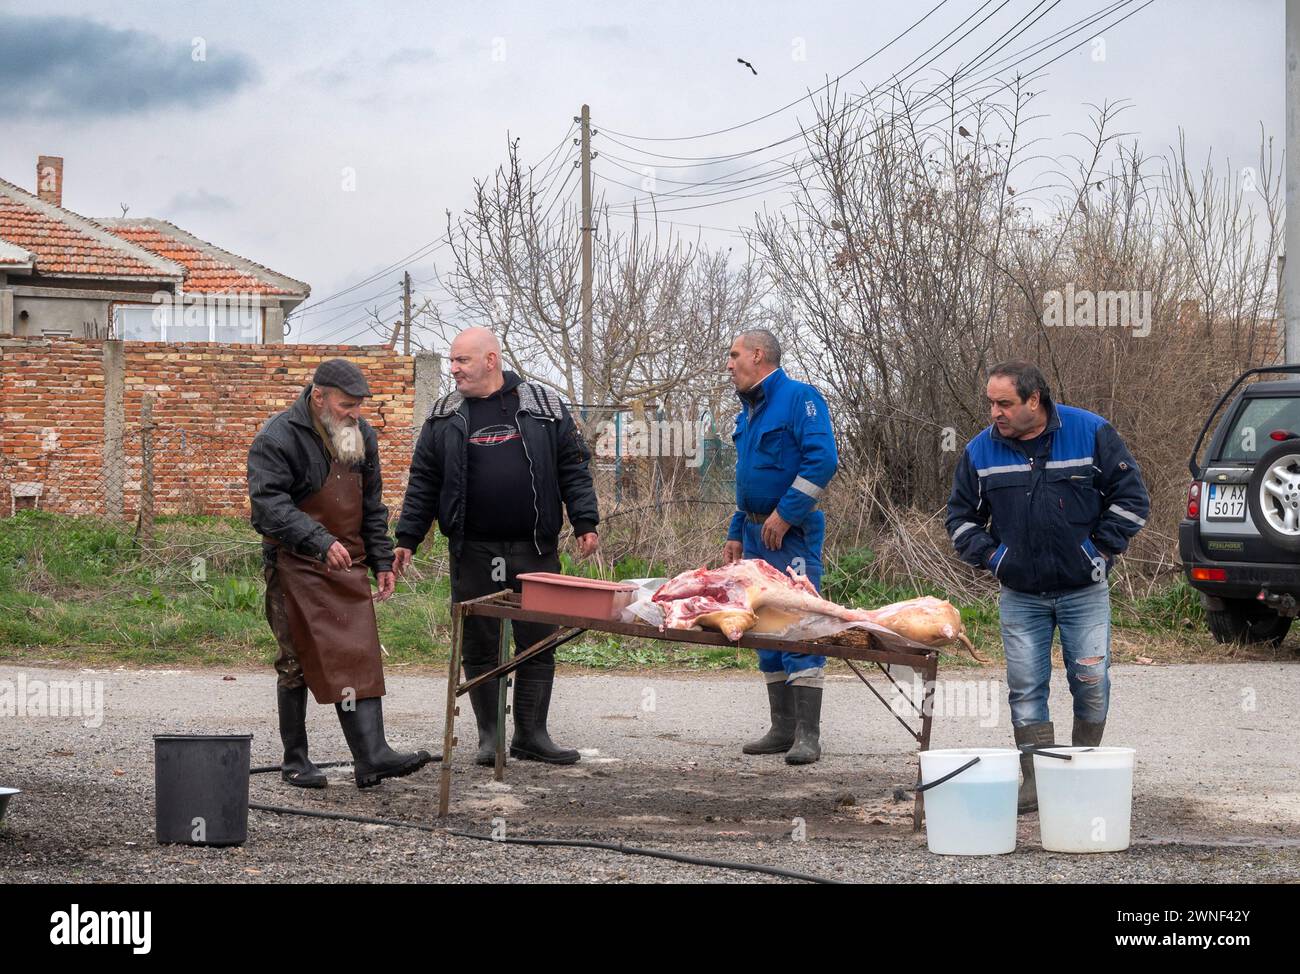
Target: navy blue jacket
[[785, 451], [1051, 522]]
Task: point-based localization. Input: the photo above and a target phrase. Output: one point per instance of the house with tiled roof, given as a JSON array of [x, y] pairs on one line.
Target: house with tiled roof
[[138, 279]]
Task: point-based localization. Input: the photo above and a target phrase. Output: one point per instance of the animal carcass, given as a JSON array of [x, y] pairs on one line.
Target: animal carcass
[[927, 620], [734, 597], [737, 597]]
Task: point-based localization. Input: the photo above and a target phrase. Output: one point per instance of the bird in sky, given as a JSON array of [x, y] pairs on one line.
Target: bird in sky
[[741, 60], [961, 130]]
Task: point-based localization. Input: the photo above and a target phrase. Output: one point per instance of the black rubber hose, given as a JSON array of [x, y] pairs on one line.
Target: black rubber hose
[[272, 768], [626, 850]]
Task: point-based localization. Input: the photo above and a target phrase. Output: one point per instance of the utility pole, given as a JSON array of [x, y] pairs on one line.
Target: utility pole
[[588, 382], [406, 313], [1291, 242]]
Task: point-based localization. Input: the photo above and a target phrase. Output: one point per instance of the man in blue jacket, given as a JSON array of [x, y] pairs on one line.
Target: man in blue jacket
[[785, 458], [1045, 499]]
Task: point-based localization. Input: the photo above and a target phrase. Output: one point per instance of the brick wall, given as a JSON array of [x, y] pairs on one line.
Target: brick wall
[[209, 402]]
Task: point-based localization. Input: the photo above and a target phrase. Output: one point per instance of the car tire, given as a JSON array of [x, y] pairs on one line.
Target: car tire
[[1286, 455], [1245, 621]]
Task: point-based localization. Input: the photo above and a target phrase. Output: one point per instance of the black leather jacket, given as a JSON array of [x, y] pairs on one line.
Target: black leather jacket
[[288, 462], [556, 454]]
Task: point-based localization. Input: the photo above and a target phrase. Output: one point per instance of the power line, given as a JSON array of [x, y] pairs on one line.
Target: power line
[[418, 253], [1036, 48], [377, 310], [855, 102], [569, 176], [732, 156], [852, 105], [777, 111], [422, 251]]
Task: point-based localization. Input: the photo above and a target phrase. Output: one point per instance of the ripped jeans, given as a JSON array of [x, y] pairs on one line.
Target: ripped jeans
[[1028, 621]]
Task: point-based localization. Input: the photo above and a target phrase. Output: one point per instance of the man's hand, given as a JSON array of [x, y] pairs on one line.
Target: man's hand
[[774, 529], [387, 582], [402, 560], [732, 551], [588, 543], [337, 558]]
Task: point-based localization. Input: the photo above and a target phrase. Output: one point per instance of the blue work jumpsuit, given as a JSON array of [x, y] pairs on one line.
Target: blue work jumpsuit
[[785, 458]]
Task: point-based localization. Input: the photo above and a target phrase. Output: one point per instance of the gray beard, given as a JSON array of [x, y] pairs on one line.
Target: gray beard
[[349, 446]]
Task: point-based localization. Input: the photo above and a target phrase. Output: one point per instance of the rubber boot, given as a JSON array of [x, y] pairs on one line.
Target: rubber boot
[[296, 768], [807, 727], [1036, 734], [372, 759], [780, 736], [483, 699], [1086, 733], [532, 703]]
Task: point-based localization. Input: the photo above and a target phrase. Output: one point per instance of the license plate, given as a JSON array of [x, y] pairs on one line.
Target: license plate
[[1226, 502]]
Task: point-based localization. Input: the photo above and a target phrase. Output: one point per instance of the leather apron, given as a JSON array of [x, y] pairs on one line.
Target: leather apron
[[331, 613]]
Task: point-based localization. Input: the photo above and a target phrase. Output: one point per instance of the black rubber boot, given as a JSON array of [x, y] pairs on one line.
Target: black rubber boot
[[780, 735], [1037, 734], [372, 759], [483, 699], [532, 703], [807, 746], [296, 768], [1086, 733]]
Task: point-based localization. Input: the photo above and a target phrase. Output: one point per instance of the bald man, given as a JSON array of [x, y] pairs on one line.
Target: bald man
[[495, 462]]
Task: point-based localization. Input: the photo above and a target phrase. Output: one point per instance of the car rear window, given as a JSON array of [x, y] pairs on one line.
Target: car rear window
[[1258, 418]]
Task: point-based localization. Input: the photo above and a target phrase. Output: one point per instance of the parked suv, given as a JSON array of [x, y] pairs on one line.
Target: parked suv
[[1240, 539]]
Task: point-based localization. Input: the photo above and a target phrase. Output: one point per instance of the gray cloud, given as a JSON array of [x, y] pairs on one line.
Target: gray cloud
[[411, 55], [609, 33], [70, 66], [198, 201]]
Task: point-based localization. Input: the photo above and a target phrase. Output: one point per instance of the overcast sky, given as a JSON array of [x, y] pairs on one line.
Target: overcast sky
[[327, 140]]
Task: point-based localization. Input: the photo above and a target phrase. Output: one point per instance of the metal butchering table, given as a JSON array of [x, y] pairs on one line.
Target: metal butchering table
[[506, 606]]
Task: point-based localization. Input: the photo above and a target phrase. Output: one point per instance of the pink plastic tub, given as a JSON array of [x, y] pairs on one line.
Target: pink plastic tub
[[570, 595]]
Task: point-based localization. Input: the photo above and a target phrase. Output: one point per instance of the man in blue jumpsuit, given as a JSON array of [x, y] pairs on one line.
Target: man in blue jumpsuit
[[785, 458]]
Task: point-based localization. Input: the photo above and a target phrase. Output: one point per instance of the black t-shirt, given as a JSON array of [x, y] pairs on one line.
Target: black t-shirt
[[1031, 447], [499, 502]]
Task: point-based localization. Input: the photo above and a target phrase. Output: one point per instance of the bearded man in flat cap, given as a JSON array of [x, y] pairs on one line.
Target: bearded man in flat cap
[[316, 494]]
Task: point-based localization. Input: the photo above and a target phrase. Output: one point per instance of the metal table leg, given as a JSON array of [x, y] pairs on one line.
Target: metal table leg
[[503, 657], [449, 729], [931, 676]]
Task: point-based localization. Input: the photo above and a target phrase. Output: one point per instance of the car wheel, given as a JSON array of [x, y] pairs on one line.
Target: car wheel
[[1273, 495], [1246, 621]]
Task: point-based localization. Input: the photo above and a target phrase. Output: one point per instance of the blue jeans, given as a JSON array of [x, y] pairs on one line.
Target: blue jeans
[[1083, 617], [804, 543]]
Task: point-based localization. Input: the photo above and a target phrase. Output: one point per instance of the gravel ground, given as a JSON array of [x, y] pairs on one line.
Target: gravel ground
[[1217, 796]]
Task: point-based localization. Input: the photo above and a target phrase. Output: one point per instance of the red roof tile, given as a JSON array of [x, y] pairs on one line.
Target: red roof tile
[[204, 272], [63, 247]]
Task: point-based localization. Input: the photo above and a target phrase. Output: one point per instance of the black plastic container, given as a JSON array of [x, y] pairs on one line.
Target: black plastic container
[[201, 788]]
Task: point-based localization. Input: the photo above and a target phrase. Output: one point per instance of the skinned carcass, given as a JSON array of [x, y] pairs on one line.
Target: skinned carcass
[[927, 620], [744, 594], [734, 597]]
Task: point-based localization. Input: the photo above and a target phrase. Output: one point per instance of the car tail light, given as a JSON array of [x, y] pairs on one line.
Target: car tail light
[[1194, 500], [1209, 575]]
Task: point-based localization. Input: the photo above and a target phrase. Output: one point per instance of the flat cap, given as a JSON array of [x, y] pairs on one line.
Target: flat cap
[[341, 374]]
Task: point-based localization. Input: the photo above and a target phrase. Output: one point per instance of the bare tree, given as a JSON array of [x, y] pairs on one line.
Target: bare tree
[[664, 309]]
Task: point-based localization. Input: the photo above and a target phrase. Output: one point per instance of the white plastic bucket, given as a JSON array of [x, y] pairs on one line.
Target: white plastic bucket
[[1085, 804], [973, 813]]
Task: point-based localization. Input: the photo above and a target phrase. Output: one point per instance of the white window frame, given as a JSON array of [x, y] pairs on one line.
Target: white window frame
[[211, 314]]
